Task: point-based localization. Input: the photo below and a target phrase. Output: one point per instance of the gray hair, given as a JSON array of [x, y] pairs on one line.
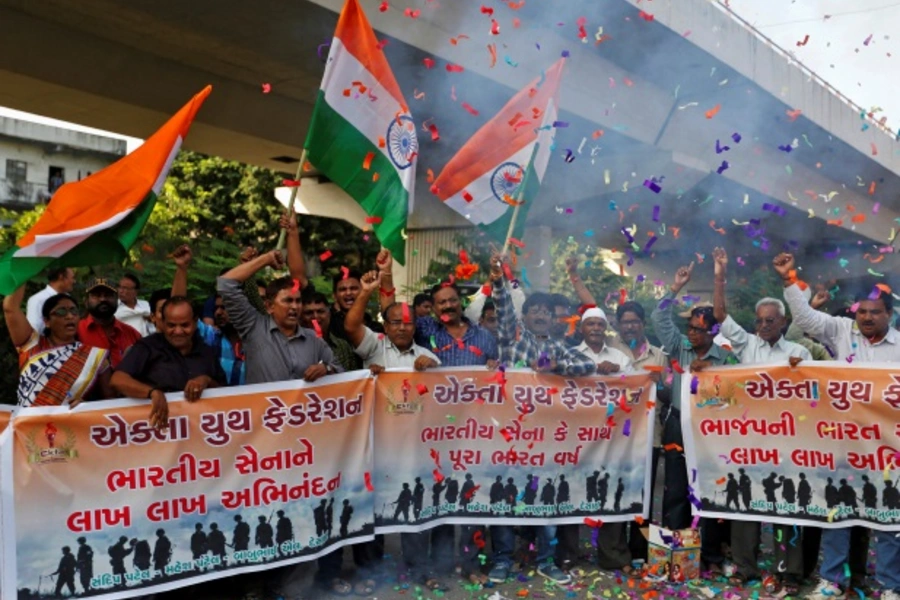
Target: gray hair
[[771, 302]]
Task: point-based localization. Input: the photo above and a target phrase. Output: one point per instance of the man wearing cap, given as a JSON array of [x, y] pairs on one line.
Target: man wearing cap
[[593, 330], [631, 339], [101, 328], [685, 352], [613, 553], [767, 346]]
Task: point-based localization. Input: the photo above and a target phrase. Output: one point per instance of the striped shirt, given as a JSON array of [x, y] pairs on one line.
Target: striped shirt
[[526, 348], [475, 348]]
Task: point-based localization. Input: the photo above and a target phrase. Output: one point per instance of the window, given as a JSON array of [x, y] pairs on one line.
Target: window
[[55, 178], [16, 171]]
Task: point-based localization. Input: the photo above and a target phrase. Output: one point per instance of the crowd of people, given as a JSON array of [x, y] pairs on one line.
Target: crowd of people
[[255, 331]]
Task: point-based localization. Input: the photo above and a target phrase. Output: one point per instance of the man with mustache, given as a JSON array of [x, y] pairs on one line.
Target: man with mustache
[[222, 337], [397, 349], [630, 317], [458, 342], [533, 347], [132, 310], [867, 339], [174, 359], [767, 346], [101, 328], [632, 342], [686, 352], [613, 553], [276, 346]]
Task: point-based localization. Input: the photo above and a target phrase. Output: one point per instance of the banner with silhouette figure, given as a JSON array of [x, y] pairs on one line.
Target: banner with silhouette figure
[[97, 501], [477, 447], [818, 444]]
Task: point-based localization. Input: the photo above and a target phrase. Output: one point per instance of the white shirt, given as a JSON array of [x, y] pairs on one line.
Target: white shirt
[[840, 333], [383, 352], [752, 349], [34, 306], [136, 317], [473, 310], [607, 354]]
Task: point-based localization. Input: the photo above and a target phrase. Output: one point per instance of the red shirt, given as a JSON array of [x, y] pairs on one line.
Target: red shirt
[[122, 338]]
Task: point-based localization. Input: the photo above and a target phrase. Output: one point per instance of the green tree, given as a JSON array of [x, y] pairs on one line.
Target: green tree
[[218, 207]]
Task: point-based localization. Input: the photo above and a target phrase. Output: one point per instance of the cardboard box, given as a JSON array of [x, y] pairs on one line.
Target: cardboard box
[[674, 555]]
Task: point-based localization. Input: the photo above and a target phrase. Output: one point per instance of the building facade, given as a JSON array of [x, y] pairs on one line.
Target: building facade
[[35, 160]]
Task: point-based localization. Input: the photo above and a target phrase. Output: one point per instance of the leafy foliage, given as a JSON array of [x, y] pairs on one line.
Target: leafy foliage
[[218, 207]]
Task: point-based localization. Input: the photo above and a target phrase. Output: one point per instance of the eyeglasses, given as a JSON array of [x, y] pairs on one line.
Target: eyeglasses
[[62, 311], [697, 329], [538, 310]]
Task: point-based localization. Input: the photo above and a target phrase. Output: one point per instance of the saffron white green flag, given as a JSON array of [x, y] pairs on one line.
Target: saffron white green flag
[[362, 136], [505, 161]]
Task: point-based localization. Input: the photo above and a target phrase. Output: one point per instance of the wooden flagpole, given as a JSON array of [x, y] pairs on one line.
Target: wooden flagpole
[[512, 222], [282, 238]]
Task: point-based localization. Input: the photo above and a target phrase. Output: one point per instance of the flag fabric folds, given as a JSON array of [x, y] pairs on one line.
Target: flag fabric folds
[[96, 220], [362, 136], [505, 161]]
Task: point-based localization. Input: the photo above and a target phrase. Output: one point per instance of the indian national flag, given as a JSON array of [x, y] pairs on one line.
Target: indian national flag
[[362, 136], [505, 160], [96, 220]]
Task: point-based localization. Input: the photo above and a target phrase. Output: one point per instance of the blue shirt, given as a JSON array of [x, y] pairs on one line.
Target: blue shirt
[[476, 347], [231, 358]]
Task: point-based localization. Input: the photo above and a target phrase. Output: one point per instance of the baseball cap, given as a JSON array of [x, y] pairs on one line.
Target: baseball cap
[[100, 282]]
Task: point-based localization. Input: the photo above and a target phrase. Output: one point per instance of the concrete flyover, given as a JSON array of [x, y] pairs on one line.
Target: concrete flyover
[[125, 66]]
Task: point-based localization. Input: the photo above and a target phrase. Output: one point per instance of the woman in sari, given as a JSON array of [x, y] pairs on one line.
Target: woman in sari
[[54, 367]]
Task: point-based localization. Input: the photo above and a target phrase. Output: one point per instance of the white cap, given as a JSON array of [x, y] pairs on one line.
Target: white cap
[[593, 313]]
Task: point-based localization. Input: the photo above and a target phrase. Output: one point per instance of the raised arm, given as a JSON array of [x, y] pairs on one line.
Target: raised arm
[[245, 271], [720, 260], [584, 295], [386, 291], [355, 321], [241, 312], [295, 262], [182, 258], [16, 322], [823, 327], [663, 325], [506, 315]]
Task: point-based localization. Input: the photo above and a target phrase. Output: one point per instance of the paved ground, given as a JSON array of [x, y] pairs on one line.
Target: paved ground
[[589, 584]]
